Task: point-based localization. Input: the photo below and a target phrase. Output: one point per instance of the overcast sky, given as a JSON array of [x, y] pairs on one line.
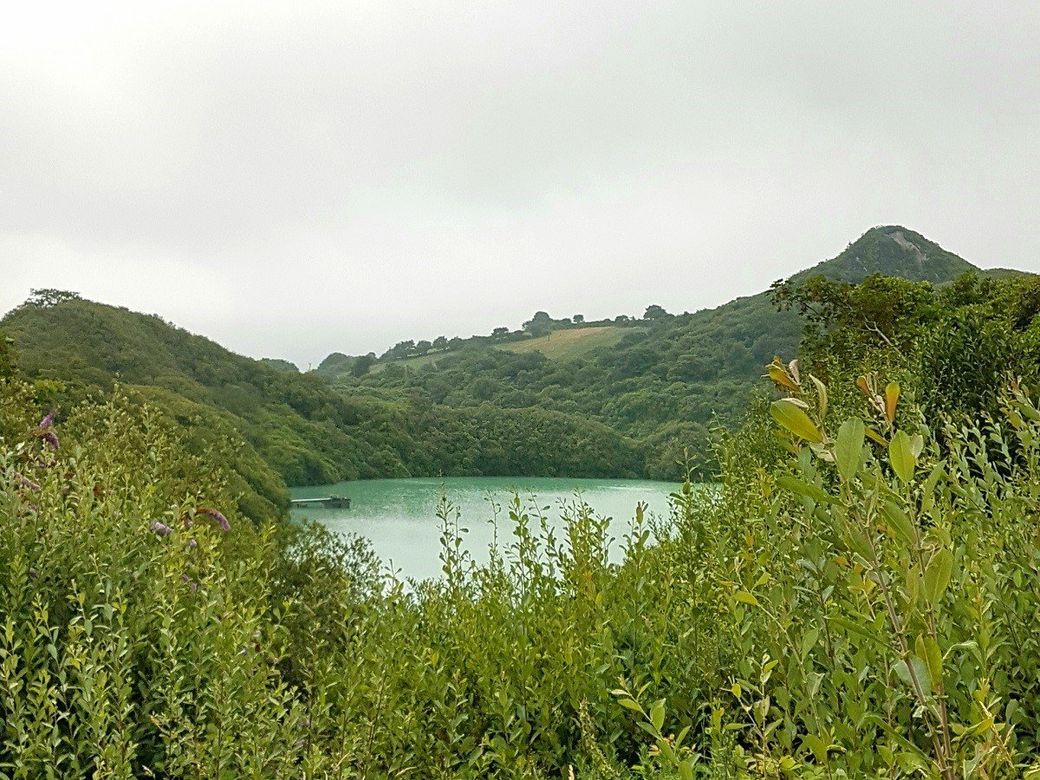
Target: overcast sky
[[295, 178]]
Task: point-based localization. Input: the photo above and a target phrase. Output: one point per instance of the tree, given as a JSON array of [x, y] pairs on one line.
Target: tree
[[48, 296], [655, 312], [441, 342], [483, 388], [539, 325], [400, 349], [362, 364], [578, 319], [500, 333]]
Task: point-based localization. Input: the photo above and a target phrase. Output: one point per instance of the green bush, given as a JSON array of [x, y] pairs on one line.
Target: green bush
[[850, 600]]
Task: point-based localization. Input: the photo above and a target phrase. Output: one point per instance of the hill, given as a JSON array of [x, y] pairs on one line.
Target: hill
[[666, 381], [296, 428], [890, 250], [621, 397], [280, 365]]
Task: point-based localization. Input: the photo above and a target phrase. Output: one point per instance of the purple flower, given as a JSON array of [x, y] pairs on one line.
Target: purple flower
[[192, 544], [51, 438], [25, 482], [215, 515], [160, 528], [47, 421]]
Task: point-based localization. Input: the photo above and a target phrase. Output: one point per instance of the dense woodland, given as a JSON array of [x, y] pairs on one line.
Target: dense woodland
[[854, 597]]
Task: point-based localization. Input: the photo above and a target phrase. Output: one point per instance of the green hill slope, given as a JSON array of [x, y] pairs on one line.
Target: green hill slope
[[891, 250], [610, 398], [301, 429], [665, 382], [293, 424], [570, 343]]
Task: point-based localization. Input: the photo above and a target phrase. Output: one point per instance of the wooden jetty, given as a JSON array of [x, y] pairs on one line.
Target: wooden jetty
[[328, 502]]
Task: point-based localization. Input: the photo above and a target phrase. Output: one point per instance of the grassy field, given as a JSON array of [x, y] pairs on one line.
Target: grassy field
[[559, 345], [412, 362], [570, 343]]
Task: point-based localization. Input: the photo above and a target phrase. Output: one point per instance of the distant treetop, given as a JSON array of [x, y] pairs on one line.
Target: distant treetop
[[48, 296], [539, 325]]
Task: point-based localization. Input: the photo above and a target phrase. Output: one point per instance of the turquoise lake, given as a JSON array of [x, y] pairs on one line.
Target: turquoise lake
[[399, 516]]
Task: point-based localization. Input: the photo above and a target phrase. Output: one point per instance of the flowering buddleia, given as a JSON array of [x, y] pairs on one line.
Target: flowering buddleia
[[216, 515], [160, 528]]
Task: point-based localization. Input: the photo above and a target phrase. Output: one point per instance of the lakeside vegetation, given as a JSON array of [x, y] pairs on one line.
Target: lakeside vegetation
[[856, 601]]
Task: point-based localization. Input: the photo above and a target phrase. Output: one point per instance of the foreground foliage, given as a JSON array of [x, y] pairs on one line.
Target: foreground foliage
[[855, 597], [858, 607]]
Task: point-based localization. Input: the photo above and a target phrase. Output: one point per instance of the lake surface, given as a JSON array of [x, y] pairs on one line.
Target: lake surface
[[399, 516]]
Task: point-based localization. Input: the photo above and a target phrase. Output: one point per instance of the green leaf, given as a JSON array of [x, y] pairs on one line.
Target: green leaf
[[937, 575], [667, 751], [864, 629], [933, 656], [682, 735], [746, 598], [897, 737], [928, 491], [657, 715], [809, 639], [792, 419], [630, 704], [876, 437], [917, 445], [898, 522], [920, 671], [795, 485], [849, 448], [821, 396], [859, 544], [818, 746], [686, 769], [901, 456]]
